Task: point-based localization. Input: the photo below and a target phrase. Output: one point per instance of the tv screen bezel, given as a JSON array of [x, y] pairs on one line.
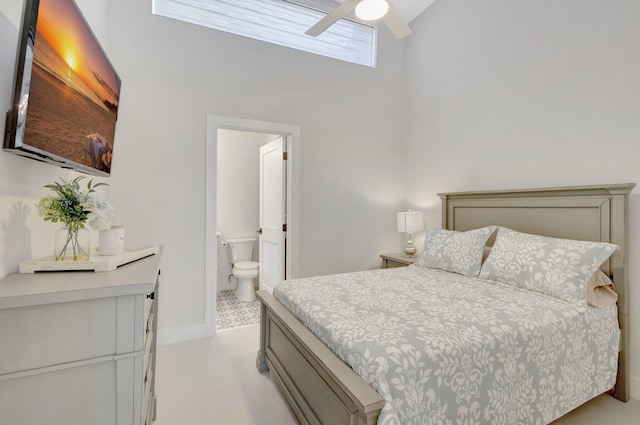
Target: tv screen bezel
[[14, 133]]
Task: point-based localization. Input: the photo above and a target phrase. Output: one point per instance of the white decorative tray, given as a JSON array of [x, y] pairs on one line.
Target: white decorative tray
[[96, 263]]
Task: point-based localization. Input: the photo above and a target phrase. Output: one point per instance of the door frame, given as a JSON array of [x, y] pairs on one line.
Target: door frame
[[293, 143]]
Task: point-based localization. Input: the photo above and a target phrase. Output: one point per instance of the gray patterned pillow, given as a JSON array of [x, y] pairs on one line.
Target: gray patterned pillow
[[457, 252], [559, 268]]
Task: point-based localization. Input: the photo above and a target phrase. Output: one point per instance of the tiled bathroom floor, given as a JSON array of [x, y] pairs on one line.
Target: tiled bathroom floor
[[233, 313]]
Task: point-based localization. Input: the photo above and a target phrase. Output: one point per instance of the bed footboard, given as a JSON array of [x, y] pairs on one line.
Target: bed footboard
[[320, 388]]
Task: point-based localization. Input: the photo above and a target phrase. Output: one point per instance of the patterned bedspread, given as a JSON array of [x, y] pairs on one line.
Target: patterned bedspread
[[443, 348]]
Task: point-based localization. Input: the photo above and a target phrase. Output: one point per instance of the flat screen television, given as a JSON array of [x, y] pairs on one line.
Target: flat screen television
[[66, 92]]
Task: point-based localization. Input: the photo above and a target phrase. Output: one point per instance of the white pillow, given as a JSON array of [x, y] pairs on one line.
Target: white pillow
[[457, 252], [559, 268]]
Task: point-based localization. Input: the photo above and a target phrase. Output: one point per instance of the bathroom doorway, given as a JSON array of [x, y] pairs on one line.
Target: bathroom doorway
[[232, 206], [241, 192]]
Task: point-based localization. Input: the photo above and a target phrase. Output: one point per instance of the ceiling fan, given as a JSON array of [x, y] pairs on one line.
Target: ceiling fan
[[384, 9]]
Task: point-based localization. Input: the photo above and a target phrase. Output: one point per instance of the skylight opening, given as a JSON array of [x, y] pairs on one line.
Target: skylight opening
[[279, 22]]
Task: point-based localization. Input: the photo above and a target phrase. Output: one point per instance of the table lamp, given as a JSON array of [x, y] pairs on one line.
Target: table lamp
[[410, 222]]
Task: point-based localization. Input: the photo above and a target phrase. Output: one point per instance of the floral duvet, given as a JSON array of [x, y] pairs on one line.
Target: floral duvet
[[443, 348]]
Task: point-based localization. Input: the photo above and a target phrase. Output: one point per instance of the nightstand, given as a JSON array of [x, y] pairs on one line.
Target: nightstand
[[397, 260]]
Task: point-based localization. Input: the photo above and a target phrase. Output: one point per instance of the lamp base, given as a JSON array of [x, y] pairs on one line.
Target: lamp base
[[409, 249]]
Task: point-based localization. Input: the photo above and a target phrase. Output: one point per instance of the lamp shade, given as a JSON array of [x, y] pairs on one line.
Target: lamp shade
[[410, 221]]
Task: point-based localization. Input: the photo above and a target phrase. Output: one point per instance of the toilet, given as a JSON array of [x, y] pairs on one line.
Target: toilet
[[244, 269]]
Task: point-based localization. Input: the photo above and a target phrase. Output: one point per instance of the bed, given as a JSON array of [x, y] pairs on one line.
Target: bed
[[322, 389]]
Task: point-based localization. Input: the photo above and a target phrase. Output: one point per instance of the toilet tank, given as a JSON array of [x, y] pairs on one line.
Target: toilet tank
[[241, 249]]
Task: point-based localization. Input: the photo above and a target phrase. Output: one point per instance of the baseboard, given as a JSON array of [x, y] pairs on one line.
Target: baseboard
[[634, 387], [185, 333]]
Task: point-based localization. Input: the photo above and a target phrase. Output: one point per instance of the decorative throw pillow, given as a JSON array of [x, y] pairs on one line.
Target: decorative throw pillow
[[600, 290], [457, 252], [559, 268]]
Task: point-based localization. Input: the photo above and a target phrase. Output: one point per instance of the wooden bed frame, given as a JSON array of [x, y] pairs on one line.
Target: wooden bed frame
[[321, 389]]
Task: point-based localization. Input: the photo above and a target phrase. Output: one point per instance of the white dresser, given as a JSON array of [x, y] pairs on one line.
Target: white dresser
[[78, 348]]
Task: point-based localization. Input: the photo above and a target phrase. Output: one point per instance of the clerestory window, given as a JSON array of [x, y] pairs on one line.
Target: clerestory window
[[280, 22]]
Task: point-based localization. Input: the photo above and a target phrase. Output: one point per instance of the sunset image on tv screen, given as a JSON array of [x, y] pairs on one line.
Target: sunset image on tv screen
[[74, 90]]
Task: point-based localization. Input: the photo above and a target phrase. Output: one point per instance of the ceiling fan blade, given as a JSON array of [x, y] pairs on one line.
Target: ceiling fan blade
[[396, 22], [333, 17]]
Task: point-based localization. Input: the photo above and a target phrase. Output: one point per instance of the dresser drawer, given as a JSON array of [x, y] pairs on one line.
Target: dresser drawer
[[53, 334], [149, 309], [147, 397], [148, 351], [148, 364], [149, 326], [149, 413], [146, 383]]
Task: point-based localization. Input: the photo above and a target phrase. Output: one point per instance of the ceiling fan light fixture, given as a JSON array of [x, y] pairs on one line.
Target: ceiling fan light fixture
[[371, 10]]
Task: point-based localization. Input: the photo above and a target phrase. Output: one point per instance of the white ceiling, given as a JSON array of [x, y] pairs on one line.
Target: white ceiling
[[409, 9]]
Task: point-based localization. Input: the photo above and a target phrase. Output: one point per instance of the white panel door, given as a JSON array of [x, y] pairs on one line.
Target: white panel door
[[272, 213]]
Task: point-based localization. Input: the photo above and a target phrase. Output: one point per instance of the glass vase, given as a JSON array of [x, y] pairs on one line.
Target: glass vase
[[72, 244]]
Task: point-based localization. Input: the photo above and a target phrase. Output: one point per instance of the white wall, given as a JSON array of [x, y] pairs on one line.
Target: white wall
[[238, 182], [174, 74], [23, 233], [505, 94], [238, 192]]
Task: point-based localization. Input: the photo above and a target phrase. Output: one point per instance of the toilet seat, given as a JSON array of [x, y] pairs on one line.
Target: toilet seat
[[246, 265]]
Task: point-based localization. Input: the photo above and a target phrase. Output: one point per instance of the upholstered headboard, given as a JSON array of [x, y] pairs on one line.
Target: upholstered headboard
[[595, 213]]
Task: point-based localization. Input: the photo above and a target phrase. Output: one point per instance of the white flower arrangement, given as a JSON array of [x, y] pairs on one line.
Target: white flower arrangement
[[74, 208], [101, 212]]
